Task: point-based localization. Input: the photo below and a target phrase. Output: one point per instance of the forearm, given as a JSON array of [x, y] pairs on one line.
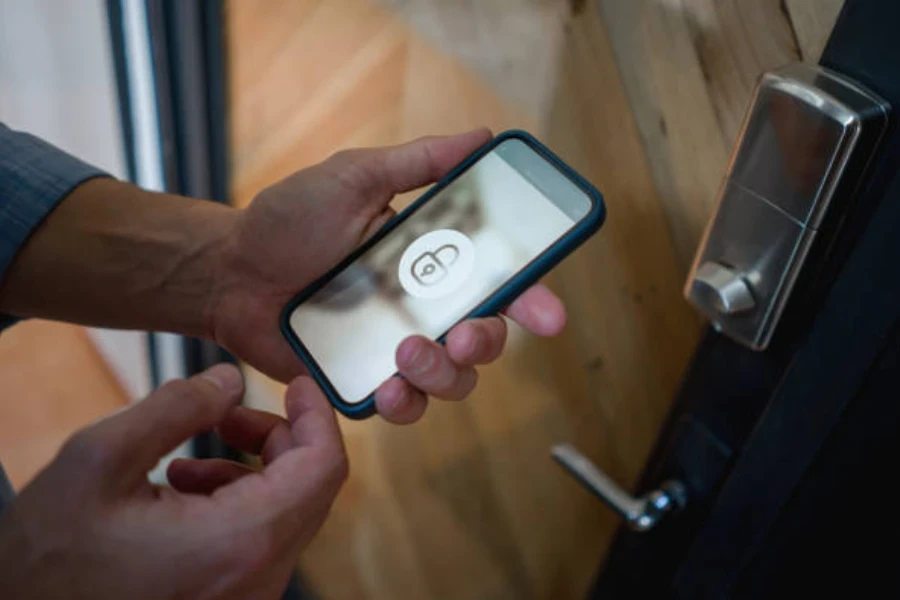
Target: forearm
[[114, 255]]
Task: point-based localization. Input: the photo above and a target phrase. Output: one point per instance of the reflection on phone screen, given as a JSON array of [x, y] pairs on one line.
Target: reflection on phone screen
[[438, 265]]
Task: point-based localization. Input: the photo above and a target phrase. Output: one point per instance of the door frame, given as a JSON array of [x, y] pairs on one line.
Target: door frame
[[171, 73]]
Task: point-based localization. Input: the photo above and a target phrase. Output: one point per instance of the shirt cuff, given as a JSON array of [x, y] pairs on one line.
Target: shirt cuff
[[34, 177]]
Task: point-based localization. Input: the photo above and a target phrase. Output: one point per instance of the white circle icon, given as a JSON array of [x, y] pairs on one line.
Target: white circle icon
[[436, 264]]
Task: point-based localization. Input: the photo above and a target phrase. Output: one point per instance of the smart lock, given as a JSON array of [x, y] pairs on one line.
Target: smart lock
[[800, 157]]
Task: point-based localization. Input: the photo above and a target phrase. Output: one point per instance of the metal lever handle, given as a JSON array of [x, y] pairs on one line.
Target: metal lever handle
[[641, 514]]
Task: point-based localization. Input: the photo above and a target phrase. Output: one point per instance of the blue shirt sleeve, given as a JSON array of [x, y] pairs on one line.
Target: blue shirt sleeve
[[34, 177]]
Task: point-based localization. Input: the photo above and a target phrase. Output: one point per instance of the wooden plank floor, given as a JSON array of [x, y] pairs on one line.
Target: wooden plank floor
[[467, 504], [53, 382]]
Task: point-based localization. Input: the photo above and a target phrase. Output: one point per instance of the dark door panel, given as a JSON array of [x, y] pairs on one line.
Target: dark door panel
[[787, 454]]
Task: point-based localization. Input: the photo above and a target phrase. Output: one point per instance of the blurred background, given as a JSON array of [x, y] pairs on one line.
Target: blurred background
[[219, 99]]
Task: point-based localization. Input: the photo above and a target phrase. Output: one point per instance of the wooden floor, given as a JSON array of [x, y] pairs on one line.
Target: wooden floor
[[52, 382], [644, 97]]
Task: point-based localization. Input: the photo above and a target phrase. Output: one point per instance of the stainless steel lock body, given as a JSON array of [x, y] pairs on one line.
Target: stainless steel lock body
[[800, 157]]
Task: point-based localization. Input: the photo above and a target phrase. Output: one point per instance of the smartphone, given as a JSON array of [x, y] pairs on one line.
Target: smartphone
[[467, 248]]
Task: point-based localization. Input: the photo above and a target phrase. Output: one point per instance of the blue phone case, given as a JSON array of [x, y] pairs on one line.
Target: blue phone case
[[494, 303]]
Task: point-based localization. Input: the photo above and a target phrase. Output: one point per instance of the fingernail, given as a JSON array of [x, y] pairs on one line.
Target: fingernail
[[417, 357], [227, 377]]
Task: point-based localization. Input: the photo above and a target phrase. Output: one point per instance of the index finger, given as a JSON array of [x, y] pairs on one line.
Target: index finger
[[308, 476]]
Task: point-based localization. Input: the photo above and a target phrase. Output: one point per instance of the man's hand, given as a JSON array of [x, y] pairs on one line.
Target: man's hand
[[114, 255], [91, 526], [298, 229]]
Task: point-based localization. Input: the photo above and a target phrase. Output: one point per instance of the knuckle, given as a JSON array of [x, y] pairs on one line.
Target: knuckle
[[335, 467], [341, 469], [86, 451], [357, 169], [445, 379], [465, 383], [194, 396], [252, 552], [498, 339], [177, 388]]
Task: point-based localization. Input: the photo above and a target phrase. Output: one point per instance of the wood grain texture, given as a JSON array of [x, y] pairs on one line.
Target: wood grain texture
[[812, 21], [54, 382], [689, 69], [487, 38], [644, 98]]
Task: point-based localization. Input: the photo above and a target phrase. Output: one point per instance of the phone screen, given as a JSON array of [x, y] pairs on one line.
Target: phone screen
[[439, 264]]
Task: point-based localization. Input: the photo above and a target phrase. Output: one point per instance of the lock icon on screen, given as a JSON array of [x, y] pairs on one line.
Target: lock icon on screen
[[431, 268], [436, 264]]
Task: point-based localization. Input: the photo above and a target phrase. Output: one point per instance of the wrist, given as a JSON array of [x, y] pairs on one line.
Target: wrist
[[172, 248], [114, 255], [190, 283]]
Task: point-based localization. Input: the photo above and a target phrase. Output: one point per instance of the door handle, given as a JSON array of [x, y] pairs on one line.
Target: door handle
[[640, 514]]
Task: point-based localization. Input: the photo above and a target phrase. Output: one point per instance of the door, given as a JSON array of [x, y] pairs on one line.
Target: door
[[785, 454]]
